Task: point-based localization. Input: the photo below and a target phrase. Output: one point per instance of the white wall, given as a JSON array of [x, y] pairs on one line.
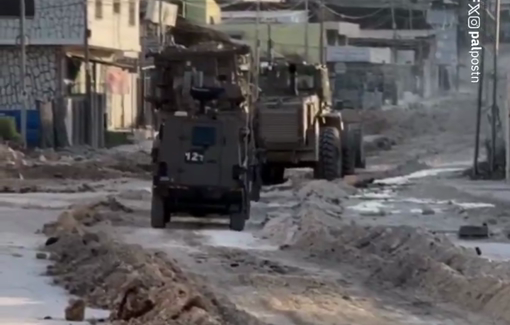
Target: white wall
[[113, 30]]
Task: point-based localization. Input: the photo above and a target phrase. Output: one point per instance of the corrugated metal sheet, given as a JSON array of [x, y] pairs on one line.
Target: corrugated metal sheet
[[279, 126]]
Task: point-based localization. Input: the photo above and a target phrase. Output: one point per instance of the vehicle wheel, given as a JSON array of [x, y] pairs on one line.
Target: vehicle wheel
[[159, 213], [238, 219], [349, 154], [272, 175], [330, 154], [360, 150], [278, 175], [255, 185], [348, 161]]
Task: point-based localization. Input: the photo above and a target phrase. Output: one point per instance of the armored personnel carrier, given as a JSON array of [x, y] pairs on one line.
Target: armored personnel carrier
[[296, 126], [202, 156]]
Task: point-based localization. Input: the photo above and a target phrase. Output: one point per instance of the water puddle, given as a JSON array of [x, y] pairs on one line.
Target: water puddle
[[400, 180], [495, 251], [384, 205], [240, 240]]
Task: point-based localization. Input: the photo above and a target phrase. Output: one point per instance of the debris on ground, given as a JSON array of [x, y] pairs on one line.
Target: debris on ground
[[75, 163], [427, 211], [137, 286], [41, 256], [394, 126], [473, 232], [406, 257], [75, 311]]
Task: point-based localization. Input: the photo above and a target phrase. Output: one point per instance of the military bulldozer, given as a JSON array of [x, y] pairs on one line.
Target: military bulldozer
[[296, 126], [202, 157]]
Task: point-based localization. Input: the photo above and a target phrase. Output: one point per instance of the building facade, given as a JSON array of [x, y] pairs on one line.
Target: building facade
[[289, 38], [56, 47]]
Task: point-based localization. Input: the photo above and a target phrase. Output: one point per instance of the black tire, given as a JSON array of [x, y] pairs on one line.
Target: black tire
[[349, 153], [272, 175], [256, 184], [330, 154], [159, 212], [154, 155], [238, 219], [360, 150]]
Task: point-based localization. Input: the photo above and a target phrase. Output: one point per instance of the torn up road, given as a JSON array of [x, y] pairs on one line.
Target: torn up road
[[311, 253]]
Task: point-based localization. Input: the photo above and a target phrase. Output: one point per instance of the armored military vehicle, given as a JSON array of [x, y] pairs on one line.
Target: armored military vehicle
[[202, 156], [297, 127]]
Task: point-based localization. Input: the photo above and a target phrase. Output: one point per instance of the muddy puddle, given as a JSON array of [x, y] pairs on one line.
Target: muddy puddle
[[387, 203]]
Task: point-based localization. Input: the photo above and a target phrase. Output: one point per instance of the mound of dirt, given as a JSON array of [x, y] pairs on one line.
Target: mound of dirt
[[74, 163], [137, 286], [452, 114], [403, 256]]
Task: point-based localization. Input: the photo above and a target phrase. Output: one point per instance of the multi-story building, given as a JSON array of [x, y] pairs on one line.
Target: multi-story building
[[56, 47], [289, 38]]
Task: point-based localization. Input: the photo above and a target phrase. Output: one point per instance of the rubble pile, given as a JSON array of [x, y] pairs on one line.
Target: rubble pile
[[406, 257], [447, 114], [73, 163], [10, 156], [138, 287]]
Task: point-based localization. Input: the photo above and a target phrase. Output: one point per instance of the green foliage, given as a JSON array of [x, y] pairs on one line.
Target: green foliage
[[8, 129], [114, 139]]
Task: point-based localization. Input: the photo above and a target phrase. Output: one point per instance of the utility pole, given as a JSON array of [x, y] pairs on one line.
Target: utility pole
[[506, 124], [257, 52], [480, 90], [91, 121], [160, 24], [23, 63], [495, 111], [269, 44], [321, 39], [306, 33], [394, 27]]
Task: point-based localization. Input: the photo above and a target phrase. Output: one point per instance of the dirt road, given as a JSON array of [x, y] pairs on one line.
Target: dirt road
[[315, 252]]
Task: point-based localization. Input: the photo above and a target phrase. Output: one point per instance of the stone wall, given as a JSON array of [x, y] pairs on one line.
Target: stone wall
[[56, 22], [41, 77]]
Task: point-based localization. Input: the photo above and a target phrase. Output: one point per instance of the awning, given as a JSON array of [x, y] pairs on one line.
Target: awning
[[126, 63]]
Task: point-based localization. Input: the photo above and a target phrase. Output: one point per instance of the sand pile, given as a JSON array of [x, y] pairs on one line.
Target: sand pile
[[74, 163], [453, 115], [403, 256], [137, 286], [10, 157]]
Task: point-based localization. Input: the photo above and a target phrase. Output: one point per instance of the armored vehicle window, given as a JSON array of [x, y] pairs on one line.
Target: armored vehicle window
[[203, 136], [305, 82]]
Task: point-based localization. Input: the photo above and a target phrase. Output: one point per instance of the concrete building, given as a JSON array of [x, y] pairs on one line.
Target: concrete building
[[55, 51], [203, 12], [289, 39]]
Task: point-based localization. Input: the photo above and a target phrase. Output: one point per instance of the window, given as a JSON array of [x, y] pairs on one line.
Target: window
[[203, 136], [116, 6], [236, 35], [181, 10], [331, 37], [99, 9], [305, 82], [132, 13]]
